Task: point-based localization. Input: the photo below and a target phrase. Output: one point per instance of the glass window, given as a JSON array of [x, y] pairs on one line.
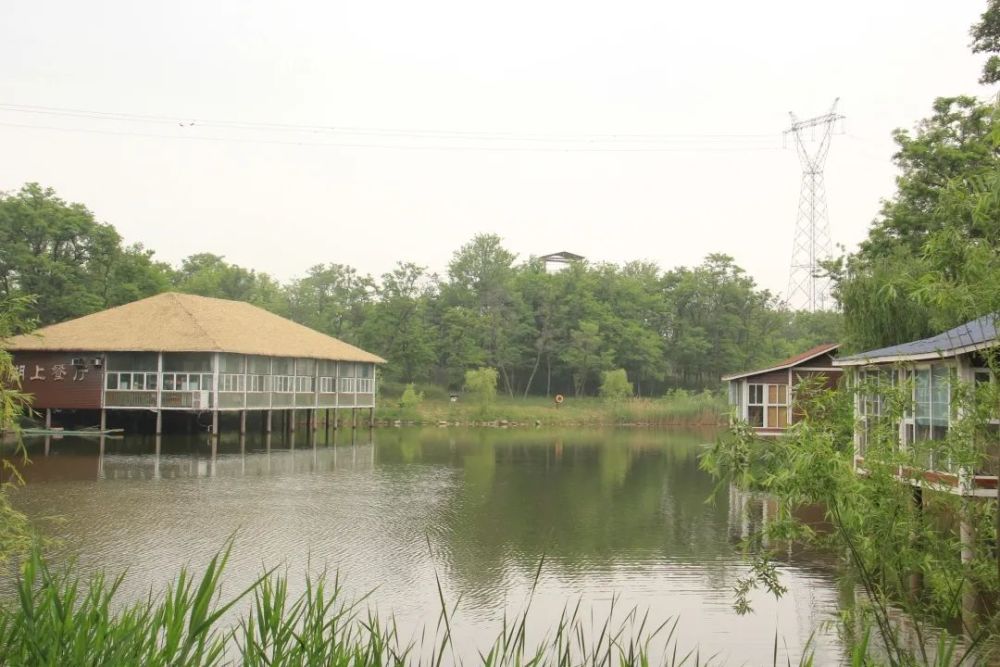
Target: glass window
[[347, 369], [112, 381], [232, 363], [131, 361], [168, 382], [282, 366], [125, 381], [366, 370], [138, 381], [755, 405], [151, 381], [259, 365], [777, 405], [187, 362], [305, 366], [932, 402]]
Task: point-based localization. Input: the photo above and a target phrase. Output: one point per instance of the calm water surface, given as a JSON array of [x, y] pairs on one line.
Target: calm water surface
[[616, 514]]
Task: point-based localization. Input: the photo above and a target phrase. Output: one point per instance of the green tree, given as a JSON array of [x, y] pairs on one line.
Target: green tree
[[71, 264], [586, 355], [986, 39], [332, 298], [15, 530], [615, 385], [937, 235], [481, 383], [481, 275], [211, 275], [397, 327]]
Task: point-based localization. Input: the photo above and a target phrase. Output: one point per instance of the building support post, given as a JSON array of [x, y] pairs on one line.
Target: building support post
[[48, 419], [104, 419], [916, 578], [967, 536], [159, 421], [354, 417], [371, 417], [267, 422], [215, 424], [291, 421], [243, 422]]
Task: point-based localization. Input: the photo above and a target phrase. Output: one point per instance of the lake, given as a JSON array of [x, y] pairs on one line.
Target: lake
[[618, 515]]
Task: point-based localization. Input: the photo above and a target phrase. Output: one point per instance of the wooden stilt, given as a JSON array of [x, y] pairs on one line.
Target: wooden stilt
[[243, 422], [215, 423], [104, 419], [970, 599], [267, 424], [291, 421], [371, 417], [159, 422], [354, 417], [48, 418]]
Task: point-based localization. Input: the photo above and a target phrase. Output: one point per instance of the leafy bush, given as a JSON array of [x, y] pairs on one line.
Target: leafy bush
[[482, 385], [615, 385], [411, 398]]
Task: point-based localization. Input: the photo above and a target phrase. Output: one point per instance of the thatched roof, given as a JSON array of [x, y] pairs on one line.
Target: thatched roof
[[173, 322]]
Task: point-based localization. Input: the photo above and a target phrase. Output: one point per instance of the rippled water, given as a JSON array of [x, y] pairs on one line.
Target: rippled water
[[618, 514]]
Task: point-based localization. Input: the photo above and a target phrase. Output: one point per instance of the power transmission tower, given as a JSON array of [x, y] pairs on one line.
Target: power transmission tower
[[807, 289]]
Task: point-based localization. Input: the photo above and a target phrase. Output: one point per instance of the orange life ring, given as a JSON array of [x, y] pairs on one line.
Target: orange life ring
[[559, 399]]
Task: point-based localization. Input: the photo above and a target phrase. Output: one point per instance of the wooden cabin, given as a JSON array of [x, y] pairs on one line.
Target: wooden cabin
[[930, 369], [184, 353], [764, 398]]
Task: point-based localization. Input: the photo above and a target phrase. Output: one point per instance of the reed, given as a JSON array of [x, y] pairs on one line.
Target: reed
[[57, 619]]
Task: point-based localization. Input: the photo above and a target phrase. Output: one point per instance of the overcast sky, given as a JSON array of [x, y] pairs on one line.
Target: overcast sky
[[534, 83]]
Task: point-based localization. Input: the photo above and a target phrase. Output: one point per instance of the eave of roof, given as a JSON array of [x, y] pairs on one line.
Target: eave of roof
[[972, 336], [808, 355], [172, 322]]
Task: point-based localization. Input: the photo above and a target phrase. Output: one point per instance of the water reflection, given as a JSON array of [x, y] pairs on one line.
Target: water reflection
[[611, 512]]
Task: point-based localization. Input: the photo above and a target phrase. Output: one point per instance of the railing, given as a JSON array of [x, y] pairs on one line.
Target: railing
[[130, 399]]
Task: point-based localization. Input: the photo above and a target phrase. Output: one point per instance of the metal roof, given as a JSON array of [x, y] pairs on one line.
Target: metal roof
[[975, 335], [812, 353]]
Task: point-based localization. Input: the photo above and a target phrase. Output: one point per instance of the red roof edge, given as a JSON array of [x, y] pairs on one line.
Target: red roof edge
[[811, 353]]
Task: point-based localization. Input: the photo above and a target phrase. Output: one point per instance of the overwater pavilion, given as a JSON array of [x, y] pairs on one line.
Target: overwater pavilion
[[181, 353], [930, 369], [765, 397]]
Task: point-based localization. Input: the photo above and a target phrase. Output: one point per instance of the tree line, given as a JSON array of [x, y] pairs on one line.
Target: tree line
[[544, 332]]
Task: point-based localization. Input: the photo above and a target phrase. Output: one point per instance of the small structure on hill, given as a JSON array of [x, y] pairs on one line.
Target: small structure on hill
[[931, 370], [557, 261], [180, 353], [764, 398]]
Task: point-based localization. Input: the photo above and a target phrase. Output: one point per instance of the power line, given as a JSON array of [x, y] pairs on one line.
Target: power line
[[381, 132], [396, 146]]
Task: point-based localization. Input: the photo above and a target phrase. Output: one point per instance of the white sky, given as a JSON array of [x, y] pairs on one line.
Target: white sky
[[279, 202]]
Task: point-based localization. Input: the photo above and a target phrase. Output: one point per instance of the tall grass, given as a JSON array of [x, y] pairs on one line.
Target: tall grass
[[675, 409], [56, 619]]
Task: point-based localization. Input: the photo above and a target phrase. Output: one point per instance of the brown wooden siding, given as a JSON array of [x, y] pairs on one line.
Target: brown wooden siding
[[772, 377], [54, 382]]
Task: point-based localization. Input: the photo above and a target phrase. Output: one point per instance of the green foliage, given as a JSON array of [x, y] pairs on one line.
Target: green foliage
[[615, 385], [71, 264], [56, 619], [15, 531], [887, 541], [411, 398], [544, 333], [986, 39], [482, 385], [930, 260]]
